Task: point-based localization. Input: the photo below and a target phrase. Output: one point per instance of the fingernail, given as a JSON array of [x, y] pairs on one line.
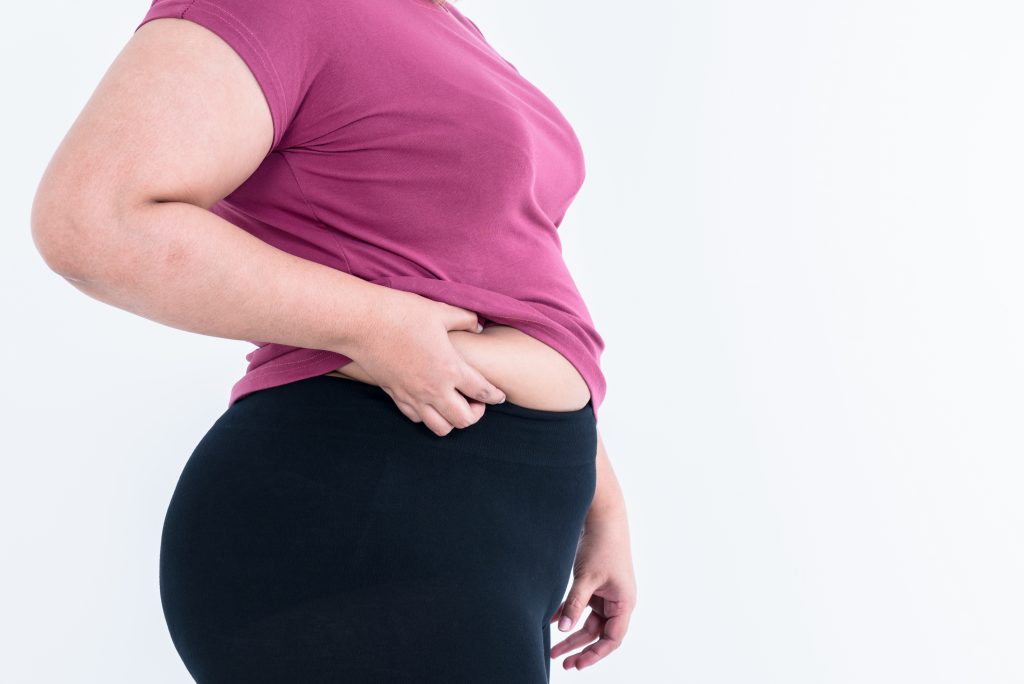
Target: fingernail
[[565, 623], [479, 327]]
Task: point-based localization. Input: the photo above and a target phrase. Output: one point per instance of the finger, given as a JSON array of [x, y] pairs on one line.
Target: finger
[[434, 420], [475, 386], [476, 408], [594, 600], [461, 319], [615, 627], [579, 596], [410, 411], [612, 632], [591, 654], [406, 408], [611, 636], [558, 613], [458, 411], [588, 631]]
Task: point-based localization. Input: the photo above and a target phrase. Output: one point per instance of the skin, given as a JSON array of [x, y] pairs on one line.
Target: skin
[[529, 372], [122, 213], [603, 576]]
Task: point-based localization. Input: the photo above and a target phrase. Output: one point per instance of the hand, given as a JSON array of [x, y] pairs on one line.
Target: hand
[[406, 351], [602, 579]]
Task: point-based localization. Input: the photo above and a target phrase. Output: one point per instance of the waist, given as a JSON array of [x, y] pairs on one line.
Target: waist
[[305, 417], [531, 373]]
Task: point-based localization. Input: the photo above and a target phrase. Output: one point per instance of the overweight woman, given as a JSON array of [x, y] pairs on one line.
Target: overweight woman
[[410, 473]]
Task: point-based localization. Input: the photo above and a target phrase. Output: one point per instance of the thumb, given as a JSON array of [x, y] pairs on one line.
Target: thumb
[[462, 319], [579, 596]]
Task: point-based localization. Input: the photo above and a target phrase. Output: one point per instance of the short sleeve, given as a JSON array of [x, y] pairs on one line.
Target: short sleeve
[[275, 38]]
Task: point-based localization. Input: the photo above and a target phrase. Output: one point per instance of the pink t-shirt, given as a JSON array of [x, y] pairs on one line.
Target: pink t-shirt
[[411, 154]]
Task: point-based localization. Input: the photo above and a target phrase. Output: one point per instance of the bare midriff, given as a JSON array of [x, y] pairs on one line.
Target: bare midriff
[[528, 371]]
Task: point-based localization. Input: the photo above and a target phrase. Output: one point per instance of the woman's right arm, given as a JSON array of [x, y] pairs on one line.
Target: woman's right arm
[[122, 213]]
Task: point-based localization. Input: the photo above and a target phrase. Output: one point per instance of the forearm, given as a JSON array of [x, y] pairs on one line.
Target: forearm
[[182, 265], [608, 497]]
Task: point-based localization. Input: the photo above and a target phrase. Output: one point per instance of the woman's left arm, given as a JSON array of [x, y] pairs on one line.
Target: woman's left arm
[[602, 575]]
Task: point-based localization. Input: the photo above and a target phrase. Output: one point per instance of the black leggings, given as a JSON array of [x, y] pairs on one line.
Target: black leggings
[[316, 534]]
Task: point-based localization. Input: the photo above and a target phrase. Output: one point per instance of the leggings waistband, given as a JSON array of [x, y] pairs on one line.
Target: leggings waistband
[[506, 431]]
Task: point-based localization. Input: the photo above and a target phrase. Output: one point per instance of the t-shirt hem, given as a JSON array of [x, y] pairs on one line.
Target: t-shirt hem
[[301, 363], [296, 365]]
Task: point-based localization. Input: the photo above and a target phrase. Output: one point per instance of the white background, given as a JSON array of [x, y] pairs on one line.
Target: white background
[[800, 237]]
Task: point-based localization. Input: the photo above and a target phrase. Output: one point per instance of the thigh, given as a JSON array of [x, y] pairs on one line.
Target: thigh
[[464, 561]]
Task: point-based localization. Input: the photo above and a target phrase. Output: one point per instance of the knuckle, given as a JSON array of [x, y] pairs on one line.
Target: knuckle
[[466, 417], [459, 419], [574, 601], [587, 578]]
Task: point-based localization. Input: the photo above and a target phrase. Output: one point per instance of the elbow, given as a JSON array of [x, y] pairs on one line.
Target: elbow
[[72, 239], [52, 236]]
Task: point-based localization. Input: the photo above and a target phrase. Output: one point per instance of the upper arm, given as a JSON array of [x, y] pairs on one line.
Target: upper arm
[[176, 117], [186, 112]]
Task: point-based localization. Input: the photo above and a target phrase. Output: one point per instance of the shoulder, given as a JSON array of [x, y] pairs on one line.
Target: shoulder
[[285, 43]]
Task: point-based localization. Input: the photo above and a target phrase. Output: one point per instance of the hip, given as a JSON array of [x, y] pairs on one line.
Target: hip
[[313, 520]]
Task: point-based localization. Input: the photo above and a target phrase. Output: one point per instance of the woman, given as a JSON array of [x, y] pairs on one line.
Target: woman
[[410, 469]]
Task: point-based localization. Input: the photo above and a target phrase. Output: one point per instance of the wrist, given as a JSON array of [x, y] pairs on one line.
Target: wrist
[[606, 508], [360, 320]]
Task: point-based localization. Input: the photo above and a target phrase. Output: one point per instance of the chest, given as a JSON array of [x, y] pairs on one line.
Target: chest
[[413, 104]]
